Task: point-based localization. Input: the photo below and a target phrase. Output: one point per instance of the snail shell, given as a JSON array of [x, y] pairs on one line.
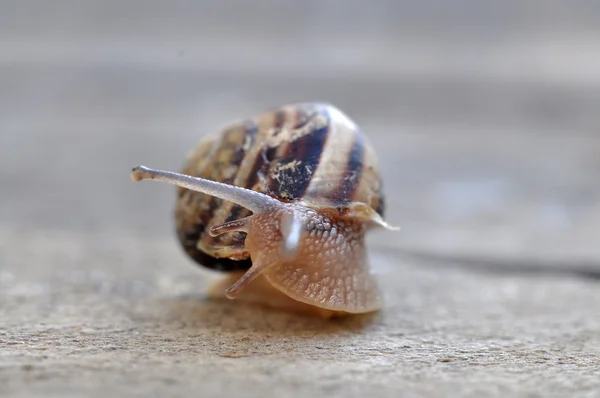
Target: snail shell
[[299, 188]]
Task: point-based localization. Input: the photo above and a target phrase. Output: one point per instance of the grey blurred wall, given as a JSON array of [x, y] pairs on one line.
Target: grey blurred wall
[[90, 88]]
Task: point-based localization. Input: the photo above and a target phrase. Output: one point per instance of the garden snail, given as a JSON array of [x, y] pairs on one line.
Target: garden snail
[[282, 202]]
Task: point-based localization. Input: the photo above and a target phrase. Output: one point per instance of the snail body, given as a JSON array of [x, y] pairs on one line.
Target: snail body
[[281, 203]]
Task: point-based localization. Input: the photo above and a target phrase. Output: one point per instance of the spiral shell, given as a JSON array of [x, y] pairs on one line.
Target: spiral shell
[[309, 153]]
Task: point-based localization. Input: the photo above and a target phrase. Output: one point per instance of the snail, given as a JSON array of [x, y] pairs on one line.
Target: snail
[[281, 203]]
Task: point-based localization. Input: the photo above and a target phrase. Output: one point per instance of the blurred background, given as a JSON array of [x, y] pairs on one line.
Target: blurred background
[[485, 113]]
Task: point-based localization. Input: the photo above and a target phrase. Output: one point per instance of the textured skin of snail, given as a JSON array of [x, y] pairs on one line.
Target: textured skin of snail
[[315, 160]]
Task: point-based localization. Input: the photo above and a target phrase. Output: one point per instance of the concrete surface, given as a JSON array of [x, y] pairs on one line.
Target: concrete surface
[[486, 120]]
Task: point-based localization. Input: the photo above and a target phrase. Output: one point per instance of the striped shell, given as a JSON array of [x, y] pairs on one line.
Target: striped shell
[[309, 152]]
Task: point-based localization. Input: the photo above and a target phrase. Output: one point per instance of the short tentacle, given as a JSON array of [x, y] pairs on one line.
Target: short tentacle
[[231, 226]]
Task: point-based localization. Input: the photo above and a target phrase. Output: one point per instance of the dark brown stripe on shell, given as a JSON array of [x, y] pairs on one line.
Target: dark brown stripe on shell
[[190, 235], [279, 121], [266, 155], [291, 175], [251, 130], [380, 208], [352, 173]]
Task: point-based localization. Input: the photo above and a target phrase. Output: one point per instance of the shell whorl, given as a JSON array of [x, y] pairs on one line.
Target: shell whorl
[[309, 153]]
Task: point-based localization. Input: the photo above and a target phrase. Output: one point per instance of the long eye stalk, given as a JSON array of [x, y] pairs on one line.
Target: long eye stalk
[[252, 200]]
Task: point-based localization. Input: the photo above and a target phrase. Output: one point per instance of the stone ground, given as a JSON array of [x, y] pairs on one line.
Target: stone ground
[[486, 121]]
